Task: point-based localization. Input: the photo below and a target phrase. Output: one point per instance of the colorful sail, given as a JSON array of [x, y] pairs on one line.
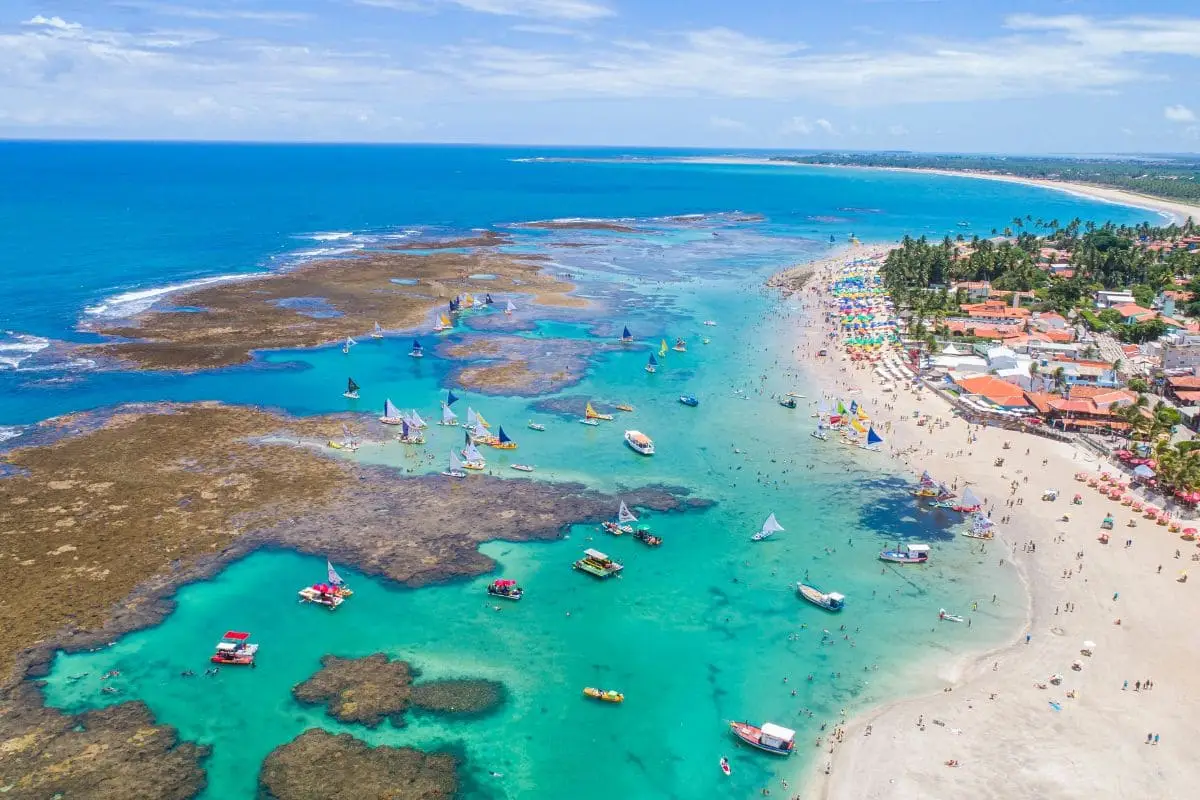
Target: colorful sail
[[862, 413], [448, 416], [589, 412], [662, 348], [350, 342], [858, 426], [509, 307], [472, 417], [451, 397], [926, 478], [873, 438], [853, 406], [841, 408], [406, 430], [471, 453], [981, 523], [444, 321], [625, 515], [377, 328], [653, 361], [390, 411], [503, 436], [479, 418], [334, 578]]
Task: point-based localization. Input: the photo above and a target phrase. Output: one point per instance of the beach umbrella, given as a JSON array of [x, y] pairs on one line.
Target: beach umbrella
[[1189, 531], [1143, 471]]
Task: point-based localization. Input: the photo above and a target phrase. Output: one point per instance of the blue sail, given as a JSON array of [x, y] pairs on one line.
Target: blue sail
[[466, 437], [488, 299], [454, 304], [653, 360], [404, 429], [853, 406], [625, 334], [873, 437], [503, 436], [416, 345], [451, 397]]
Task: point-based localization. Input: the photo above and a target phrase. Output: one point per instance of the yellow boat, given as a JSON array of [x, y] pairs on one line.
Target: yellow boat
[[591, 413], [608, 696], [624, 407]]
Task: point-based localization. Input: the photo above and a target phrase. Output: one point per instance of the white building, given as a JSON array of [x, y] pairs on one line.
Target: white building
[[1001, 358], [1180, 351], [1111, 299]]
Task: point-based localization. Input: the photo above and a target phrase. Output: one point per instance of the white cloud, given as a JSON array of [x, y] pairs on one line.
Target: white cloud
[[826, 126], [897, 130], [1179, 113], [193, 12], [726, 123], [537, 9], [53, 22], [798, 125]]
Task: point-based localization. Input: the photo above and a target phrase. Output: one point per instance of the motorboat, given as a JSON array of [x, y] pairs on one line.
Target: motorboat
[[505, 588], [639, 442], [770, 737], [906, 554], [235, 649], [689, 400], [598, 564], [710, 323], [591, 422], [536, 426], [788, 403], [614, 528], [642, 534], [830, 601], [820, 434], [605, 695], [521, 467]]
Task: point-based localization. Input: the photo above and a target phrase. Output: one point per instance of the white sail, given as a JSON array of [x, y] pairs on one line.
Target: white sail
[[455, 463], [625, 515], [509, 307], [472, 453], [377, 328], [350, 342], [472, 417], [479, 432], [448, 416], [334, 578], [417, 422], [770, 526], [390, 411], [969, 500]]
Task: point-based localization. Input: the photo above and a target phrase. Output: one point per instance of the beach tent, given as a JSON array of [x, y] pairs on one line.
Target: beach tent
[[1143, 471]]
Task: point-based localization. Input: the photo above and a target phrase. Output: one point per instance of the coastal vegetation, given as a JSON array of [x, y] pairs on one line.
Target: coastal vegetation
[[1174, 177]]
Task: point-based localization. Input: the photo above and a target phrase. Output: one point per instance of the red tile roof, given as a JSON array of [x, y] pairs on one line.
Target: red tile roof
[[1184, 382], [1191, 398], [998, 391]]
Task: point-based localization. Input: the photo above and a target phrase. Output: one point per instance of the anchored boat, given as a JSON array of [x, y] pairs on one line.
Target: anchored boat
[[443, 323], [608, 696], [906, 554], [830, 601], [391, 414], [680, 346], [377, 332], [788, 403], [770, 737], [348, 344], [626, 336], [769, 528], [321, 594], [689, 400], [623, 407], [506, 589], [417, 351], [643, 535], [455, 470], [509, 308], [652, 364], [662, 348], [502, 442], [235, 650], [521, 467], [536, 426], [591, 413], [639, 442], [351, 392], [596, 563], [474, 459]]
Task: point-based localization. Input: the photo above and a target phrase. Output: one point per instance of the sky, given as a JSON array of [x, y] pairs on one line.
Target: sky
[[1022, 76]]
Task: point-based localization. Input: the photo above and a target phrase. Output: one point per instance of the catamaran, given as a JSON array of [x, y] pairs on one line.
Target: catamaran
[[770, 527], [502, 442], [336, 580], [652, 364], [474, 459], [351, 392], [377, 332], [981, 527], [505, 588], [591, 413], [455, 470], [391, 414], [417, 351], [830, 601], [234, 649], [321, 594], [626, 336], [770, 737], [596, 563], [448, 416], [906, 554], [624, 517], [639, 442], [509, 308]]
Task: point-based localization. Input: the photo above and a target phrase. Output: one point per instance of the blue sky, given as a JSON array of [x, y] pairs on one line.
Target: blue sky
[[950, 75]]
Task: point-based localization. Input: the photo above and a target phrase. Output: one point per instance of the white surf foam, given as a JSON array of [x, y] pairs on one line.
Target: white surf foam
[[16, 347], [129, 303], [9, 432], [329, 236]]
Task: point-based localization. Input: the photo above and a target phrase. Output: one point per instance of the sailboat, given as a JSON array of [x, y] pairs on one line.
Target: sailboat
[[591, 413], [624, 517], [770, 527], [348, 344], [662, 348], [416, 421], [509, 308], [981, 527], [652, 364], [502, 442], [416, 351], [481, 435], [626, 336], [472, 418], [335, 580], [680, 345], [377, 332], [348, 441], [351, 392], [874, 440], [819, 433], [474, 459], [456, 467], [443, 323], [479, 418], [410, 434], [487, 300], [448, 416], [391, 414]]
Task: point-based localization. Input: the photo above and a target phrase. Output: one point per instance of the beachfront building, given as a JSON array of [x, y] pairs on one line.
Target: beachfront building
[[1083, 408], [974, 290], [1080, 371], [990, 390], [1183, 389], [1180, 351]]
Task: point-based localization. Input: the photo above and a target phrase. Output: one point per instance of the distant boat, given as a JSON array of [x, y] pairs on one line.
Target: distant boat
[[509, 308], [623, 407], [689, 400], [626, 336], [819, 433], [410, 434], [607, 695], [451, 397], [502, 442], [474, 459], [639, 442], [769, 528], [680, 345], [589, 421], [443, 323], [830, 601], [946, 616], [521, 467], [377, 332], [480, 420], [536, 426], [487, 300], [417, 351], [348, 441], [652, 364], [710, 323], [598, 564], [662, 348], [906, 554], [873, 440], [591, 413], [456, 467], [391, 414], [348, 344], [351, 392], [448, 416], [415, 420], [788, 403]]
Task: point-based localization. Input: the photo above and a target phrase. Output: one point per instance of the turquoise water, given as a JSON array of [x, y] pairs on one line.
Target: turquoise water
[[696, 633]]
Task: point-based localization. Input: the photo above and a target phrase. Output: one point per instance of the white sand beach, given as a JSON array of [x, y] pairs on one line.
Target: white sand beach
[[990, 717]]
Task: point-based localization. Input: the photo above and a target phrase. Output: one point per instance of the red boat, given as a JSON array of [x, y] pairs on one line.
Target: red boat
[[233, 649], [770, 737]]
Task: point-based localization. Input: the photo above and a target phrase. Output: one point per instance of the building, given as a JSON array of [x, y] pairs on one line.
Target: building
[[1112, 299], [1180, 351], [1091, 373], [974, 290], [1001, 358], [996, 391], [1084, 408]]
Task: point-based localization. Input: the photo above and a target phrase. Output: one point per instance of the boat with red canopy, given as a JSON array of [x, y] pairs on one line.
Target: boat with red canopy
[[506, 588], [234, 649]]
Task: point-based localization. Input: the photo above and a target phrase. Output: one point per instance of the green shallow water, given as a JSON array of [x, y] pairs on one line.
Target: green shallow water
[[696, 633]]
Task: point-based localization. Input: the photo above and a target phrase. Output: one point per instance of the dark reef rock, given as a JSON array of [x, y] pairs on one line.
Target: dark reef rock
[[112, 752], [458, 697], [318, 765]]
